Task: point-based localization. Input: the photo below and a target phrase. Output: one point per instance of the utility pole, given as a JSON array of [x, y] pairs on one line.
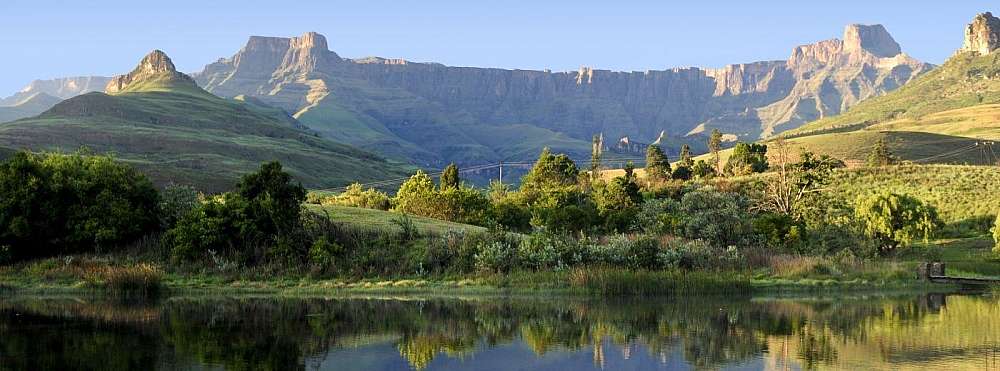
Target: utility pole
[[501, 171]]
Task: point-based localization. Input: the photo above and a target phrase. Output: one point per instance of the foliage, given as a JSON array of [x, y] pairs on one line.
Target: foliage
[[720, 218], [356, 196], [790, 183], [136, 280], [685, 157], [880, 155], [417, 196], [657, 164], [546, 250], [323, 253], [175, 202], [261, 217], [996, 234], [449, 178], [53, 204], [550, 171], [779, 230], [894, 219], [617, 200], [682, 172], [714, 146], [702, 170], [659, 216], [498, 253], [747, 159]]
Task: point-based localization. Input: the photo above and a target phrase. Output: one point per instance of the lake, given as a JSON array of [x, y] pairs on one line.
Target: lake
[[207, 332]]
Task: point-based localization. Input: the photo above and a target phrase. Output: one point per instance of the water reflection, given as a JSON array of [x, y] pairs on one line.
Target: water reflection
[[269, 333]]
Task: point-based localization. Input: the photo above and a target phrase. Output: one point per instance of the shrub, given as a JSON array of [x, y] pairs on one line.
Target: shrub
[[624, 251], [53, 204], [778, 230], [323, 253], [545, 250], [496, 256], [661, 216], [357, 196], [689, 254], [895, 220], [510, 215], [720, 218]]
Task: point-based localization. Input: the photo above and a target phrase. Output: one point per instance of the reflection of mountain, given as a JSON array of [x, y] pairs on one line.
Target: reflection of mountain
[[262, 333]]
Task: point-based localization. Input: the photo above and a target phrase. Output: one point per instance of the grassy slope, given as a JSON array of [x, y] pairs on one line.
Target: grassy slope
[[383, 219], [960, 193], [185, 135], [963, 81]]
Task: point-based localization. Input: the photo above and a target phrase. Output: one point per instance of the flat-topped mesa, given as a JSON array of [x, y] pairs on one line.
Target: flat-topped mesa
[[154, 66], [871, 38], [982, 36]]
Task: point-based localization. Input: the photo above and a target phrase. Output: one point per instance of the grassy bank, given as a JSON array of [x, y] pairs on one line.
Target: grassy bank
[[783, 274]]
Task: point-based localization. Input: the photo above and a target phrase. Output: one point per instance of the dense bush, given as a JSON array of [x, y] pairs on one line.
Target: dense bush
[[720, 218], [356, 196], [262, 217], [175, 202], [56, 204], [747, 158], [545, 250], [895, 220]]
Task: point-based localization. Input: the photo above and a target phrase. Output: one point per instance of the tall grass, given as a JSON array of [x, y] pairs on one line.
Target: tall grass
[[621, 281], [133, 280]]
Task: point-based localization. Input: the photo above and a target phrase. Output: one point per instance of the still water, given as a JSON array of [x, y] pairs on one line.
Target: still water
[[935, 332]]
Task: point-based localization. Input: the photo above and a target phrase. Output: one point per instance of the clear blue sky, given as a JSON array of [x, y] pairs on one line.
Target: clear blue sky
[[50, 38]]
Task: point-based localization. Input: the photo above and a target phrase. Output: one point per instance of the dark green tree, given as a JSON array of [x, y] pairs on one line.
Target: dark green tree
[[550, 171], [714, 146], [657, 164], [57, 204], [747, 158], [881, 155], [686, 156], [274, 200], [449, 178]]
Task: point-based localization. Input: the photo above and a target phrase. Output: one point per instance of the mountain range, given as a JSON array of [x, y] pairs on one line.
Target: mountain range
[[428, 114], [163, 123]]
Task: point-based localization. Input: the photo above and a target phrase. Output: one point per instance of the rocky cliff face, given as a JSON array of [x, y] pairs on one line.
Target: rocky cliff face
[[63, 88], [426, 111], [982, 36], [155, 68]]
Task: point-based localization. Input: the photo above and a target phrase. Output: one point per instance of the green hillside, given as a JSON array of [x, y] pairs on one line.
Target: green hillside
[[965, 80], [379, 219], [176, 132]]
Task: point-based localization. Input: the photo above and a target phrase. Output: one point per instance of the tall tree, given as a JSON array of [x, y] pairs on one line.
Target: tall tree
[[881, 155], [686, 156], [715, 145], [449, 178], [596, 150], [657, 164]]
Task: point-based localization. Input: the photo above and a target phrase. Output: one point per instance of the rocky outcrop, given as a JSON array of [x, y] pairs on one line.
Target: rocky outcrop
[[155, 66], [396, 103], [982, 36]]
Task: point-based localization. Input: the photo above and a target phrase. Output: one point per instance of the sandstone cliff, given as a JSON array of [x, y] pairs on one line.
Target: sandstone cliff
[[982, 36], [430, 113]]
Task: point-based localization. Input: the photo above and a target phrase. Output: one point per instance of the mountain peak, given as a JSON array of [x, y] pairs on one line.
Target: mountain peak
[[155, 70], [982, 35], [874, 39]]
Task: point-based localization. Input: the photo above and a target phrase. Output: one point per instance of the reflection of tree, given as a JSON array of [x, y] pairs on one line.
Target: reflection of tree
[[279, 333]]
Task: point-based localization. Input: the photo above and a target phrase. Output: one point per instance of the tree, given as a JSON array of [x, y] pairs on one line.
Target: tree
[[791, 182], [657, 164], [449, 178], [418, 196], [881, 155], [596, 151], [895, 220], [682, 172], [274, 200], [747, 159], [550, 171], [714, 146], [57, 204], [686, 156]]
